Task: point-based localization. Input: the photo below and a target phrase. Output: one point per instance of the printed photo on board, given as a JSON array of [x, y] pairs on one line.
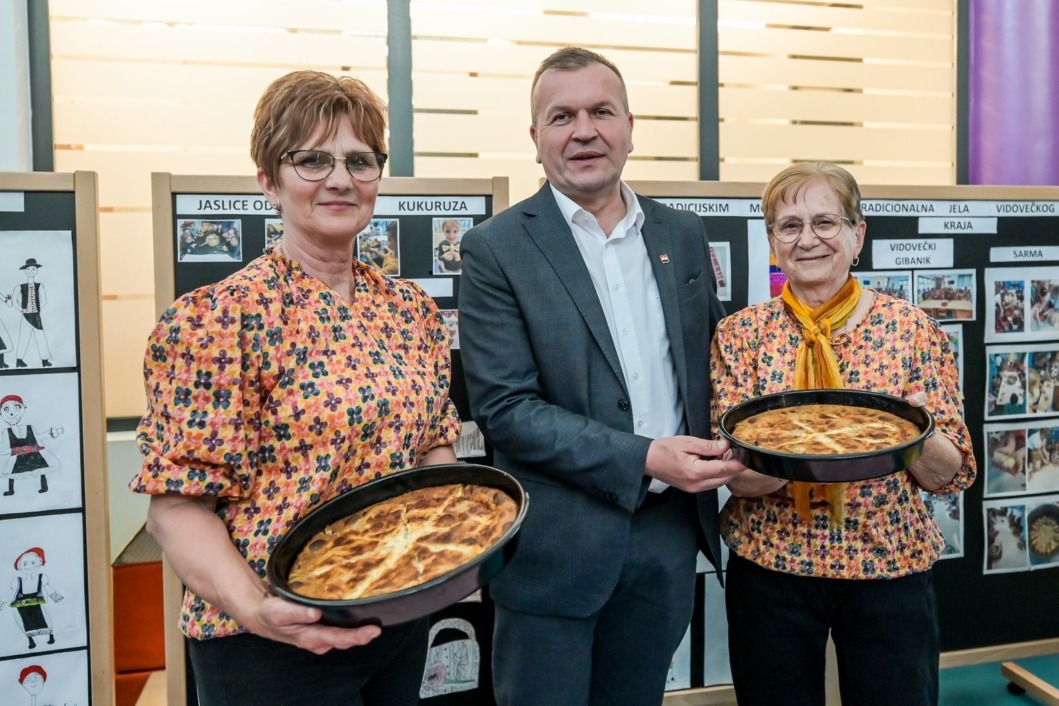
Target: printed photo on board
[[721, 257], [1044, 305], [1042, 460], [1042, 529], [1009, 302], [1005, 529], [448, 232], [273, 232], [209, 240], [1005, 470], [948, 512], [1041, 382], [895, 284], [451, 318], [378, 245], [946, 294], [954, 332], [471, 443], [1006, 393]]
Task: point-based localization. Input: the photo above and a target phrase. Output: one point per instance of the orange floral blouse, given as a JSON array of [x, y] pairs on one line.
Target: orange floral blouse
[[888, 531], [269, 392]]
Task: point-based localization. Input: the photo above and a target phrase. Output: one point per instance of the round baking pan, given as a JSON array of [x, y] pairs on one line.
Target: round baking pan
[[1046, 511], [828, 468], [417, 601]]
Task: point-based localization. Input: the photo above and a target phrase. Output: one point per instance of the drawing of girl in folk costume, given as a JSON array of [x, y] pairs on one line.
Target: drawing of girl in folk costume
[[22, 444], [28, 596]]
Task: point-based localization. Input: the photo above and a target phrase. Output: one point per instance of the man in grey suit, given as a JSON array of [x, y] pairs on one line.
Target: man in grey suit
[[585, 319]]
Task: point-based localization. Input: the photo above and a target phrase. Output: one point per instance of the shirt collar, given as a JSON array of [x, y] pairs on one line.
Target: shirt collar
[[634, 215]]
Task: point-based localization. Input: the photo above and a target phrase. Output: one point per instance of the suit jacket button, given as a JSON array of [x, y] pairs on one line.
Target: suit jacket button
[[624, 405]]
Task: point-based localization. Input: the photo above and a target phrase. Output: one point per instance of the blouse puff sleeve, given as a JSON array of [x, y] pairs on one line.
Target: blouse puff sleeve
[[444, 424], [202, 408], [935, 367]]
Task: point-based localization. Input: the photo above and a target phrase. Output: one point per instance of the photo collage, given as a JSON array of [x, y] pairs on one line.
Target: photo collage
[[1021, 471]]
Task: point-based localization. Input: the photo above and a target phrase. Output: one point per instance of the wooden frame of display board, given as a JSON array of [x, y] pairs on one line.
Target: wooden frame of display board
[[55, 218], [424, 197], [992, 234]]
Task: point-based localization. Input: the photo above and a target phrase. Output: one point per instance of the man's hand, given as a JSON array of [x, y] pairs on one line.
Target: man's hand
[[691, 464]]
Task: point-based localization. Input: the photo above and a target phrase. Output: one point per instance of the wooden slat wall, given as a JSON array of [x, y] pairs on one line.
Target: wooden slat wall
[[169, 87], [474, 60], [869, 83]]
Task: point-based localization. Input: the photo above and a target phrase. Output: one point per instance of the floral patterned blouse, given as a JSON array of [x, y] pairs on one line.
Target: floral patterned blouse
[[269, 392], [888, 531]]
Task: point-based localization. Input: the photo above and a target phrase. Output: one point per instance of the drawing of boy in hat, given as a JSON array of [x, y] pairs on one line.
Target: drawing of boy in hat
[[7, 344], [29, 298]]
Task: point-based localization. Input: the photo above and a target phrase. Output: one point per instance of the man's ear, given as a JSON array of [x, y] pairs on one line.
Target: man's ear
[[533, 136]]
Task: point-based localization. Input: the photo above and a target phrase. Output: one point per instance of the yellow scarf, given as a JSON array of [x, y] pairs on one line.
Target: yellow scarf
[[815, 366]]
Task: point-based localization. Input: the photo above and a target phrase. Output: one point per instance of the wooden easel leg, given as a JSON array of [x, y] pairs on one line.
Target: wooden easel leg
[[1025, 681]]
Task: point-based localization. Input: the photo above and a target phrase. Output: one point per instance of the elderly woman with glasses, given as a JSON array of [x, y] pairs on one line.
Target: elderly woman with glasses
[[852, 560], [299, 377]]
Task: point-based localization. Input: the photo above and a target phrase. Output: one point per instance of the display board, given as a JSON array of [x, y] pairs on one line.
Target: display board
[[55, 641], [984, 261], [208, 227]]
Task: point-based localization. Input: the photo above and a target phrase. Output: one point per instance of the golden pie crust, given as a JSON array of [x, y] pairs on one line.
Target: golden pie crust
[[402, 542], [823, 429]]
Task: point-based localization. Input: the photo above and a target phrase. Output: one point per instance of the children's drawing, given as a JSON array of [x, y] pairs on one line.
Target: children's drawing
[[32, 679], [7, 344], [29, 299], [22, 456], [29, 593]]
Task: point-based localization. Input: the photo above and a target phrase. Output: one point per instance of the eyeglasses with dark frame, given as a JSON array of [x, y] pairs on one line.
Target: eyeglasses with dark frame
[[825, 225], [315, 165]]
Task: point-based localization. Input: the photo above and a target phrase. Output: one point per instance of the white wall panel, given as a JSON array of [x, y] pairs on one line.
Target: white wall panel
[[901, 49], [602, 31], [837, 143], [843, 17], [166, 86], [889, 78], [199, 44], [837, 107], [323, 16]]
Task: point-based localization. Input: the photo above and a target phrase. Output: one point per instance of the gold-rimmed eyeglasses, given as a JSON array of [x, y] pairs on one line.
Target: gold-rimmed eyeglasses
[[314, 165], [825, 225]]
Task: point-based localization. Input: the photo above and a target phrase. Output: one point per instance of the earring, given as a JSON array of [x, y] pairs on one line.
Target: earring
[[856, 261]]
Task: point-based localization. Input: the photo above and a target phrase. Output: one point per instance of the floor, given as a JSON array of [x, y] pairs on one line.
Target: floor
[[983, 685], [979, 685]]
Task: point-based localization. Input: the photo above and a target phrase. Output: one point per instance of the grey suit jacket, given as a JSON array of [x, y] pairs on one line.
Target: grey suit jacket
[[546, 388]]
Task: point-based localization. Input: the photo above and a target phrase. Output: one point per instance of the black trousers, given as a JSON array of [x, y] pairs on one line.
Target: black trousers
[[619, 656], [251, 670], [885, 634]]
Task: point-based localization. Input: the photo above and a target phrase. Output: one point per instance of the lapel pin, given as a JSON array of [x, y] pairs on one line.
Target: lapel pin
[[664, 258]]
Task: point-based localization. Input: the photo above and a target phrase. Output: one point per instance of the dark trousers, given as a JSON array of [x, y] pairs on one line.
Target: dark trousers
[[885, 634], [619, 656], [251, 670]]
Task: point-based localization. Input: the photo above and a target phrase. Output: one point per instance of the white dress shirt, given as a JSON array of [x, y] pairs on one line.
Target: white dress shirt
[[621, 273]]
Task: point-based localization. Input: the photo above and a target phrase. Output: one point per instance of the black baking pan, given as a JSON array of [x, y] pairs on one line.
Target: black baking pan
[[831, 468], [417, 601]]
